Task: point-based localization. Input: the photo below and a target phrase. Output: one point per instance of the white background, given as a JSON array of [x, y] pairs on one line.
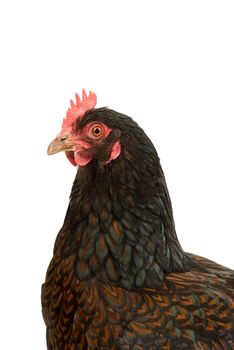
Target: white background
[[168, 64]]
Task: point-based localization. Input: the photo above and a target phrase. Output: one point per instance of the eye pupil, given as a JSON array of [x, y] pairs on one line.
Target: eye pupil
[[97, 131]]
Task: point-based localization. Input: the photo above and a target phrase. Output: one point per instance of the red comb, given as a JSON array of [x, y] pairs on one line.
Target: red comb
[[78, 109]]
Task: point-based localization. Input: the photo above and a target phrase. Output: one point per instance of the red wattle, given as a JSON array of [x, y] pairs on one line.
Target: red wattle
[[82, 158], [70, 157]]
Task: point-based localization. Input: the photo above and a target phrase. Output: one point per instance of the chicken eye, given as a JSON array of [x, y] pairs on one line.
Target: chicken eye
[[97, 131]]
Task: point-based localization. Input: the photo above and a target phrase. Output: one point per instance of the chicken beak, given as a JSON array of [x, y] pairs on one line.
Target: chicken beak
[[59, 144]]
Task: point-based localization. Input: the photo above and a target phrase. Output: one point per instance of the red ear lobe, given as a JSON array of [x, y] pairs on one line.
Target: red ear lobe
[[115, 152]]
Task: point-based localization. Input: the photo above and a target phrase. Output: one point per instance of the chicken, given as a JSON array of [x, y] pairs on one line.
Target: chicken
[[119, 278]]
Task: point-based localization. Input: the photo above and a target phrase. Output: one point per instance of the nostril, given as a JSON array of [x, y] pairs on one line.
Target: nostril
[[64, 137]]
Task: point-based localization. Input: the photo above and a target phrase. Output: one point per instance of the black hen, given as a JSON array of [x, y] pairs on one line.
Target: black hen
[[119, 278]]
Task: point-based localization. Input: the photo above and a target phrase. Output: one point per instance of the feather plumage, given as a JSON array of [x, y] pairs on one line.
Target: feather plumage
[[119, 278]]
